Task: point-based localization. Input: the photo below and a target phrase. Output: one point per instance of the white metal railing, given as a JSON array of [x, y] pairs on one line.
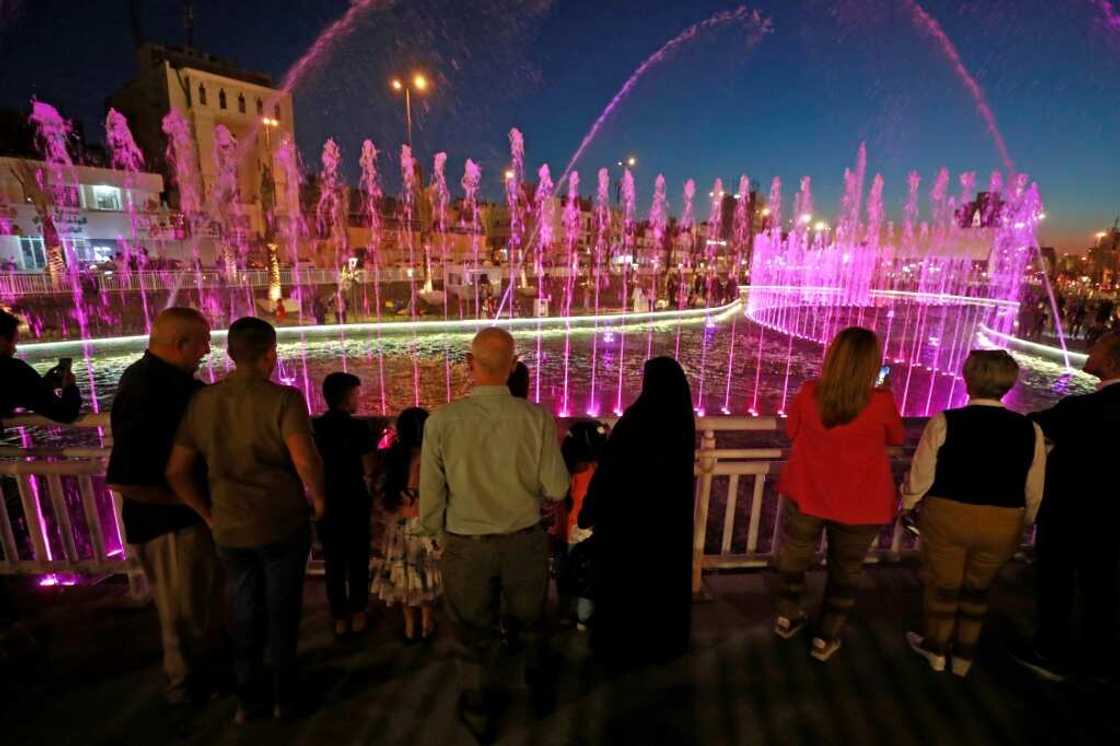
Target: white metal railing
[[13, 284], [70, 481], [87, 538], [39, 283]]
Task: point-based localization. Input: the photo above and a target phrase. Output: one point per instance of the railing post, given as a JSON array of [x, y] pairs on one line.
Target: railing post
[[700, 519]]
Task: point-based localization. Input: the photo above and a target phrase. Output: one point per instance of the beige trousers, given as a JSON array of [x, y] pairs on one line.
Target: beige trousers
[[187, 584], [963, 549]]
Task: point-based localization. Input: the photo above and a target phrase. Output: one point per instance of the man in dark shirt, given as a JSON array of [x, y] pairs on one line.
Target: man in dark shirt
[[22, 387], [346, 445], [171, 541], [1076, 540]]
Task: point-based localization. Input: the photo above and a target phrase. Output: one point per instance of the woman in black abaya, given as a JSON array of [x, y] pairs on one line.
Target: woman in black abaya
[[640, 505]]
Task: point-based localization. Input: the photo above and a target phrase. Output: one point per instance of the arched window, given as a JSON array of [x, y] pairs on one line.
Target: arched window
[[276, 111], [221, 98], [260, 108], [201, 95], [241, 103]]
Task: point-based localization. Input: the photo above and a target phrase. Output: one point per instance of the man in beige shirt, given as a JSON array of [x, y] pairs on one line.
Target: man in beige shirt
[[487, 463], [255, 438]]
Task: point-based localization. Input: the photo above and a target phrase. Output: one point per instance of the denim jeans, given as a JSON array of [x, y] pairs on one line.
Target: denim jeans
[[267, 601]]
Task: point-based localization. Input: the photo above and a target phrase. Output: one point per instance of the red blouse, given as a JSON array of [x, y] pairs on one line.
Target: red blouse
[[843, 473]]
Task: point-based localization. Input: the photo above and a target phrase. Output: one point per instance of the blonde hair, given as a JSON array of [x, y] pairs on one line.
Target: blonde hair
[[848, 375], [990, 374]]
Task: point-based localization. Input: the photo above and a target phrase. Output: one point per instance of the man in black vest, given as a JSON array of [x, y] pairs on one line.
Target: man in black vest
[[1076, 542], [980, 469]]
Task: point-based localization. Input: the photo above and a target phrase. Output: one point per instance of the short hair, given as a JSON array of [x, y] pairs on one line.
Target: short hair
[[171, 322], [337, 385], [518, 381], [990, 374], [493, 350], [250, 339], [1111, 344], [9, 325]]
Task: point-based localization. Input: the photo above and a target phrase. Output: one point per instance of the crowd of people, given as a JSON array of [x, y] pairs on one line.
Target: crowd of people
[[1082, 317], [222, 485]]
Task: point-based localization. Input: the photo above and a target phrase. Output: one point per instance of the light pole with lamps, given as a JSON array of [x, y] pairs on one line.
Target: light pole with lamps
[[630, 162], [418, 83]]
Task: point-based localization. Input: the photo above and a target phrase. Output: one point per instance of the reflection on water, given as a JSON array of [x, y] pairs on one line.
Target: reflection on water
[[761, 365]]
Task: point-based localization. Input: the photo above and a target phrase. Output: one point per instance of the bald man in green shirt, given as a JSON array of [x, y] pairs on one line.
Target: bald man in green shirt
[[487, 463]]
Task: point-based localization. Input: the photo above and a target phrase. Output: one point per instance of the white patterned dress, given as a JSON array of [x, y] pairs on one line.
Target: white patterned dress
[[406, 568]]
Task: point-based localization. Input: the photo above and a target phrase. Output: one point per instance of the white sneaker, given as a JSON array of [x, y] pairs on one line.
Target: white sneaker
[[824, 649], [785, 628], [936, 662], [961, 666]]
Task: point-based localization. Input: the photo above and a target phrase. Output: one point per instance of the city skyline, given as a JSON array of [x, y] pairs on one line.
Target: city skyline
[[798, 103]]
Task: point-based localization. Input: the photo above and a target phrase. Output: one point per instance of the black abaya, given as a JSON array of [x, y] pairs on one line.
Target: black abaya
[[640, 504]]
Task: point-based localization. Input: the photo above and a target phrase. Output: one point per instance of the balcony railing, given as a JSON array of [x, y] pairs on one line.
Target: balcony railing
[[71, 522]]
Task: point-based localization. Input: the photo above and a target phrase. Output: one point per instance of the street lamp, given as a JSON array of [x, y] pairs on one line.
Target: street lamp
[[269, 124], [418, 83], [629, 162]]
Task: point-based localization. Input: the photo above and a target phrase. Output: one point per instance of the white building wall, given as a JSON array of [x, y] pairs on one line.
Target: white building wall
[[101, 219]]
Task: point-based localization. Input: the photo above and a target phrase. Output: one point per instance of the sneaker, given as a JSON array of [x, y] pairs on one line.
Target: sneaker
[[785, 628], [581, 626], [823, 649], [1046, 668], [936, 662], [961, 666]]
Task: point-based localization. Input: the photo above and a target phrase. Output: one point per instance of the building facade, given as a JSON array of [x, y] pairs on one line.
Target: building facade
[[105, 208], [209, 93]]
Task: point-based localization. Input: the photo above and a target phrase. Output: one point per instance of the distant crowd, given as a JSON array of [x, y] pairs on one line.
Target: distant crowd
[[1082, 317], [485, 502]]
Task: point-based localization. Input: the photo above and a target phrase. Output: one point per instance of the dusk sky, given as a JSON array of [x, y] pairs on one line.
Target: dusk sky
[[830, 74]]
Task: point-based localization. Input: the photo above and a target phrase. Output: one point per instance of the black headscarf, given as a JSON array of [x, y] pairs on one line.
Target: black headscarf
[[666, 400]]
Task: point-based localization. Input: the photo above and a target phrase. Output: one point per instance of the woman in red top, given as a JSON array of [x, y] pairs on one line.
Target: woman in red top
[[838, 479]]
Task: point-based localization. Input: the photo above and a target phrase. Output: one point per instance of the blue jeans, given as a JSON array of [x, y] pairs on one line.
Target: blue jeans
[[267, 602]]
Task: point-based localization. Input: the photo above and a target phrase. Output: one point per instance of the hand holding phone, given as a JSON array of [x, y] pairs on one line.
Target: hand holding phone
[[884, 374]]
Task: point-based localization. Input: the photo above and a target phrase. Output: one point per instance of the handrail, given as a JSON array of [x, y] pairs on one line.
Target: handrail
[[72, 519]]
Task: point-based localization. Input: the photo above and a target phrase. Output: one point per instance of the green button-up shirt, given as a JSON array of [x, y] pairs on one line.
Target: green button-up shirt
[[486, 463]]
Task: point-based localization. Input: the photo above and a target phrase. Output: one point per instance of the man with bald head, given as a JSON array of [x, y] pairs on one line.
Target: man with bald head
[[1076, 540], [487, 463], [171, 541]]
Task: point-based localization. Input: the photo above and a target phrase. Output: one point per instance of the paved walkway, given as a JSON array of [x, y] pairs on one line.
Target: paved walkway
[[99, 683]]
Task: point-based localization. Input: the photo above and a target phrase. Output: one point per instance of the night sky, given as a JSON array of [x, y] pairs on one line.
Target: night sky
[[830, 75]]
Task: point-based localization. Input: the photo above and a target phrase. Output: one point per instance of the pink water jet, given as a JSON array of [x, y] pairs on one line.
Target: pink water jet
[[929, 25], [756, 25], [371, 202]]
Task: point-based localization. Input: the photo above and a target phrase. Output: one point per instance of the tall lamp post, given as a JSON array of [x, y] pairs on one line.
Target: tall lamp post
[[629, 162], [418, 83], [268, 204]]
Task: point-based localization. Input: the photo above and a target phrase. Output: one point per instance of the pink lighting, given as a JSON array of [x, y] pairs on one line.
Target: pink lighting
[[55, 580]]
